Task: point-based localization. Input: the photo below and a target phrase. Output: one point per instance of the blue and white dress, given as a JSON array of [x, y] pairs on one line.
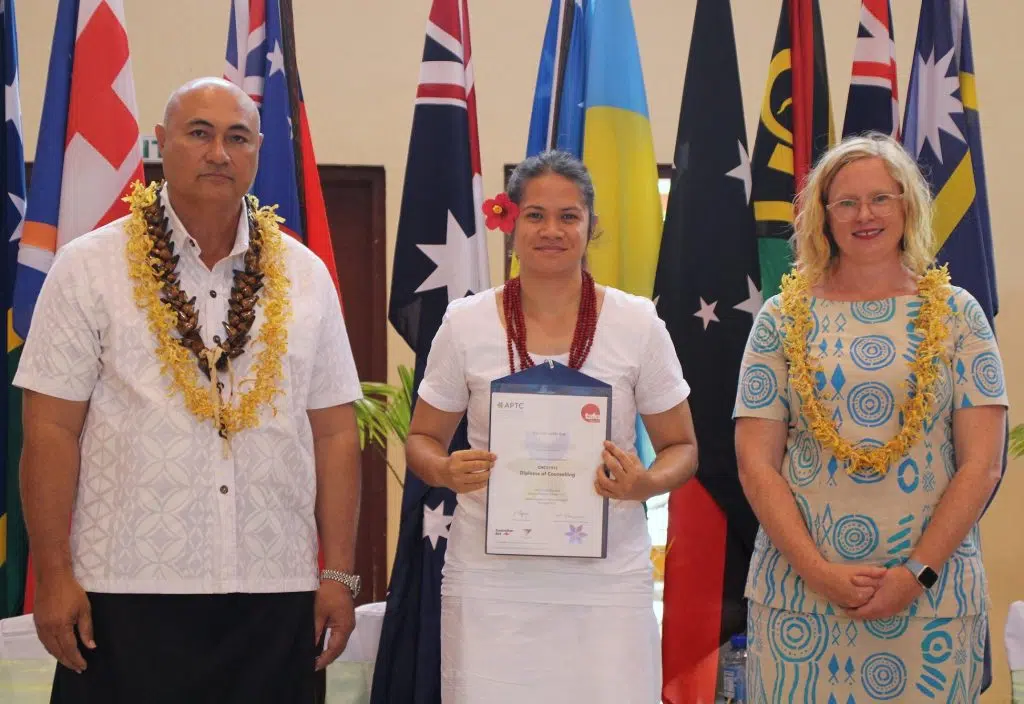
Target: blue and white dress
[[801, 647]]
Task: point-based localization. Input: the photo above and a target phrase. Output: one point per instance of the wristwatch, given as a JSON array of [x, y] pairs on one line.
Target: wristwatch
[[351, 581], [924, 574]]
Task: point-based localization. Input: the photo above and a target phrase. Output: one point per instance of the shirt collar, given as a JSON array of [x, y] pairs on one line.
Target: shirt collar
[[183, 240]]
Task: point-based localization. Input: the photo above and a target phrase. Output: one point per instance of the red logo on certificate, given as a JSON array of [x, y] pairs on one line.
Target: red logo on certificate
[[591, 413]]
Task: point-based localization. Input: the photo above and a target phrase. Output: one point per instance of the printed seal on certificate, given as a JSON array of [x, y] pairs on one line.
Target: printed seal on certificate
[[548, 425]]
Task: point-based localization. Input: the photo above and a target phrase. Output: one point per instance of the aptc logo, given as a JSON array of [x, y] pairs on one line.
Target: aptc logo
[[511, 405], [591, 413]]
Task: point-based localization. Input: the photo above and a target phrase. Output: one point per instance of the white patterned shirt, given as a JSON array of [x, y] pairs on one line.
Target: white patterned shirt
[[159, 509]]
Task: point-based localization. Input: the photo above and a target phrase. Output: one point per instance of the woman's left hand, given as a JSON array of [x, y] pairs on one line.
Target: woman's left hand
[[628, 481], [896, 592]]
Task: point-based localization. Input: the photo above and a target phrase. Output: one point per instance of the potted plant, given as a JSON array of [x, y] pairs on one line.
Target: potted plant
[[384, 411]]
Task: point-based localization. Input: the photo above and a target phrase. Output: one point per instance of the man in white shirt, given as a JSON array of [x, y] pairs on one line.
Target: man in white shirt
[[188, 403]]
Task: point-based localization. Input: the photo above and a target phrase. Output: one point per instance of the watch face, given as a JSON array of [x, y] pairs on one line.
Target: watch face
[[928, 578]]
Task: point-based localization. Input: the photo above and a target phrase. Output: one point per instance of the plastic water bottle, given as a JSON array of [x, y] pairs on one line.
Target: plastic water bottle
[[734, 671]]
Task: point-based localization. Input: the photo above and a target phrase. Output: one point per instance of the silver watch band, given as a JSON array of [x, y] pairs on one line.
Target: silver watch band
[[351, 581]]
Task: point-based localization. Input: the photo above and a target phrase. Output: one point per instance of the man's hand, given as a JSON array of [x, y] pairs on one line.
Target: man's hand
[[60, 605], [334, 609]]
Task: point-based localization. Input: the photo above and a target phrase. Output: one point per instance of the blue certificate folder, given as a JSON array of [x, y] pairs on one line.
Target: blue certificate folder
[[553, 379]]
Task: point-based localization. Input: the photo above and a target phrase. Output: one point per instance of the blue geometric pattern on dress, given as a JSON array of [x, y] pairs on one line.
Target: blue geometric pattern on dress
[[987, 371], [855, 536], [838, 381], [888, 628], [833, 671], [796, 638], [977, 321], [883, 676], [765, 336], [948, 458], [936, 650], [824, 527], [871, 352], [851, 670], [929, 481], [839, 348], [908, 476], [841, 323], [851, 633], [805, 510], [961, 372], [833, 467], [871, 312], [871, 404], [820, 381], [899, 542], [759, 387]]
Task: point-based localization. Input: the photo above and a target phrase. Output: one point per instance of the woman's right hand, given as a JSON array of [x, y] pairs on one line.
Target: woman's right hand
[[467, 470], [848, 586]]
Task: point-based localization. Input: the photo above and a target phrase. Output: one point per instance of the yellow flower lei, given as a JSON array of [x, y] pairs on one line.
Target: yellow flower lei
[[176, 361], [930, 324]]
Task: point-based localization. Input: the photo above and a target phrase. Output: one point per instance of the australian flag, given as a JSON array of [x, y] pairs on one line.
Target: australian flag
[[873, 102], [440, 255]]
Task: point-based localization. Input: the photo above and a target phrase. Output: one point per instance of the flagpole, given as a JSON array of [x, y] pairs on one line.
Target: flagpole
[[568, 17], [291, 69]]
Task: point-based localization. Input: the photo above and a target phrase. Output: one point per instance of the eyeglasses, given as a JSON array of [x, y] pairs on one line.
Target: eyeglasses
[[881, 205]]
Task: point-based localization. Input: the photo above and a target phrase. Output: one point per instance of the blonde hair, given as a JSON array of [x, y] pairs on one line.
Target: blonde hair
[[814, 248]]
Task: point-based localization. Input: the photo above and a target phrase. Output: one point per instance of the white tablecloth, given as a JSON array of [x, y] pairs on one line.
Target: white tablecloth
[[26, 669]]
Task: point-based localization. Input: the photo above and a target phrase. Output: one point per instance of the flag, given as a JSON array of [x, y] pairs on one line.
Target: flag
[[557, 116], [942, 130], [88, 152], [707, 291], [440, 255], [794, 130], [13, 541], [618, 149], [873, 102], [261, 61]]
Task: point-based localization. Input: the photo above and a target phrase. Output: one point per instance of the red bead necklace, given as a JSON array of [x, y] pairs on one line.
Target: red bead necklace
[[515, 324]]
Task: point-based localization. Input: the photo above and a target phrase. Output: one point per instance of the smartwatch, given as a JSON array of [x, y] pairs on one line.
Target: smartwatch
[[924, 574]]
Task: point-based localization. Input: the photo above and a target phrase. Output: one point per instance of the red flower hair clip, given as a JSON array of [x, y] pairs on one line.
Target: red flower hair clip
[[500, 213]]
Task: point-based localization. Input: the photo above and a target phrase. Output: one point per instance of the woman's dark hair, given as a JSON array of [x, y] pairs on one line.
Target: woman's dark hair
[[553, 162]]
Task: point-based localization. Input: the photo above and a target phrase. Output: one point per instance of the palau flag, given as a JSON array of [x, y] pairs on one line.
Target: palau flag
[[618, 148], [13, 541], [88, 153], [794, 130], [590, 101], [942, 129]]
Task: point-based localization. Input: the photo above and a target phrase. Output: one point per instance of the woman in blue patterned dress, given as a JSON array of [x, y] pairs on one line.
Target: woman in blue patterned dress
[[870, 421]]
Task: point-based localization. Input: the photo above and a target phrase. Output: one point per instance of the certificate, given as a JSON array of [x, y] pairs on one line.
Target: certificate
[[548, 426]]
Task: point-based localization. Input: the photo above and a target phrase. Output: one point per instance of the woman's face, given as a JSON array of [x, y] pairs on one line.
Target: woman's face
[[553, 226], [865, 211]]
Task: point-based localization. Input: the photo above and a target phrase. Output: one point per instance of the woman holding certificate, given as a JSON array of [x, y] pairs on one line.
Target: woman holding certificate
[[533, 627], [871, 412]]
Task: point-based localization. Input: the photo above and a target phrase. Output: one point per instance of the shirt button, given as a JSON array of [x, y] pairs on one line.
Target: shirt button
[[191, 243], [213, 294], [223, 488]]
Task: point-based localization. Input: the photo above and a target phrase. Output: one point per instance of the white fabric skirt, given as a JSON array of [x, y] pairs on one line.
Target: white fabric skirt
[[503, 652]]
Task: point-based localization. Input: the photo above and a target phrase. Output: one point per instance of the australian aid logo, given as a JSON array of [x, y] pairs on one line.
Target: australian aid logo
[[591, 413]]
